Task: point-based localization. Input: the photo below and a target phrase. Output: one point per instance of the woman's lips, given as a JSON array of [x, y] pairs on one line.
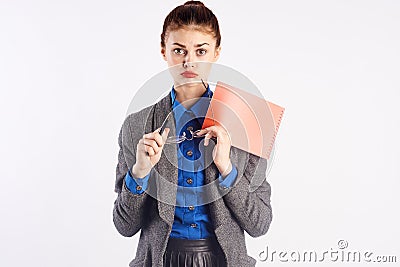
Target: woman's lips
[[188, 74]]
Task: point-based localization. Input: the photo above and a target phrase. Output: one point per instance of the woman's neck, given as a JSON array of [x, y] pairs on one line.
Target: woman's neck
[[188, 94]]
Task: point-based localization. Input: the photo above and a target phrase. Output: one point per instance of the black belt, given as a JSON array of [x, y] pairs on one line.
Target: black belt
[[208, 244]]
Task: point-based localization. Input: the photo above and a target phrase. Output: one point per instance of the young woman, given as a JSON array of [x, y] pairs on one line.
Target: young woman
[[177, 229]]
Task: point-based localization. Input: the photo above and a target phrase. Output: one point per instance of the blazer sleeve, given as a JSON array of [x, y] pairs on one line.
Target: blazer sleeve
[[249, 203], [128, 207]]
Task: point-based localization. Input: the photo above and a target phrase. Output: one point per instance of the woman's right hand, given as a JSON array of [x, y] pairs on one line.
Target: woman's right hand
[[148, 152]]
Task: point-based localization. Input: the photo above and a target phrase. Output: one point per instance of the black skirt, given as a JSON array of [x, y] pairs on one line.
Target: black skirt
[[194, 253]]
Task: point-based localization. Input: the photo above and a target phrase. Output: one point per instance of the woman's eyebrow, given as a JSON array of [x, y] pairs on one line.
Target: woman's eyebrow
[[198, 45]]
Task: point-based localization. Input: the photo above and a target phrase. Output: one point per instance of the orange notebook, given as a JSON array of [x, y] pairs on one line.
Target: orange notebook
[[251, 121]]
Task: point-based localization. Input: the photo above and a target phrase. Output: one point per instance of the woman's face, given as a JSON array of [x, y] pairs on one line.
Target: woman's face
[[189, 54]]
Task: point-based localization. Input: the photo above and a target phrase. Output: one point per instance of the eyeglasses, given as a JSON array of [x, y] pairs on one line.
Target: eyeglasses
[[183, 137], [194, 134]]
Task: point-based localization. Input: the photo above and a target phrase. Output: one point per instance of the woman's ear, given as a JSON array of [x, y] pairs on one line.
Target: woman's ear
[[217, 53], [163, 53]]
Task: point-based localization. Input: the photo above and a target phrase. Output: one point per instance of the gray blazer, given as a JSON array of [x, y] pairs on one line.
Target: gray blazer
[[242, 207]]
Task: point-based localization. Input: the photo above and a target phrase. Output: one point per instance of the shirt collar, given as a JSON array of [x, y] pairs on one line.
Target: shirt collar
[[199, 108]]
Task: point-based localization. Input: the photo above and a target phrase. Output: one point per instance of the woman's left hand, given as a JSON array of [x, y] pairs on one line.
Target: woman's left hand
[[221, 151]]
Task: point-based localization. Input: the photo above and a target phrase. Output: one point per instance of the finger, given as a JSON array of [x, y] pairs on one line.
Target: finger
[[141, 148], [154, 135], [151, 134], [218, 132], [201, 132], [153, 144], [206, 138], [149, 150], [158, 138], [207, 130]]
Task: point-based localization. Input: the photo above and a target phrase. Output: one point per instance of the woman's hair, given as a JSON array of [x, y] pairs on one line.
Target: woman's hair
[[191, 13]]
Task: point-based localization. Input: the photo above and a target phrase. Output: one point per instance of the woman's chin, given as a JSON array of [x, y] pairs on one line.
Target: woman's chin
[[187, 82]]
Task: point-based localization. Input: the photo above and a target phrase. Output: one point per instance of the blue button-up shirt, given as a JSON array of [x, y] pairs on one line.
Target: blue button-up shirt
[[191, 220]]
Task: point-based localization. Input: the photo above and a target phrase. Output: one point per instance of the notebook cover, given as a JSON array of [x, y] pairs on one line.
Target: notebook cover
[[251, 121]]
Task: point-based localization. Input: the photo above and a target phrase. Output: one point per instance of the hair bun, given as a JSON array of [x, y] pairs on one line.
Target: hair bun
[[193, 3]]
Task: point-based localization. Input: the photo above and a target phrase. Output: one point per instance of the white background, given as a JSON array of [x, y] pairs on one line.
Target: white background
[[69, 69]]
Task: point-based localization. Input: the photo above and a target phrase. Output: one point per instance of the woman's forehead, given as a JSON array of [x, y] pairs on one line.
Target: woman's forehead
[[190, 36]]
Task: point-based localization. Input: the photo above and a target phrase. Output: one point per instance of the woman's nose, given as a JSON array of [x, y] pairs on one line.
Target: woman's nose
[[187, 64], [188, 61]]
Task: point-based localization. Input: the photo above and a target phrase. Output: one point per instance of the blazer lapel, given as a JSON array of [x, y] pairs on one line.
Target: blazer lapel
[[167, 168]]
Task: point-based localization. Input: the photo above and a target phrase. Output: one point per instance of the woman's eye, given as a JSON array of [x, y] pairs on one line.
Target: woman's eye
[[179, 51], [201, 52]]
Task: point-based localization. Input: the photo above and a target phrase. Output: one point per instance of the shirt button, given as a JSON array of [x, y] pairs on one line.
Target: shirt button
[[191, 207], [190, 128], [138, 188], [189, 180], [193, 225], [189, 153]]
